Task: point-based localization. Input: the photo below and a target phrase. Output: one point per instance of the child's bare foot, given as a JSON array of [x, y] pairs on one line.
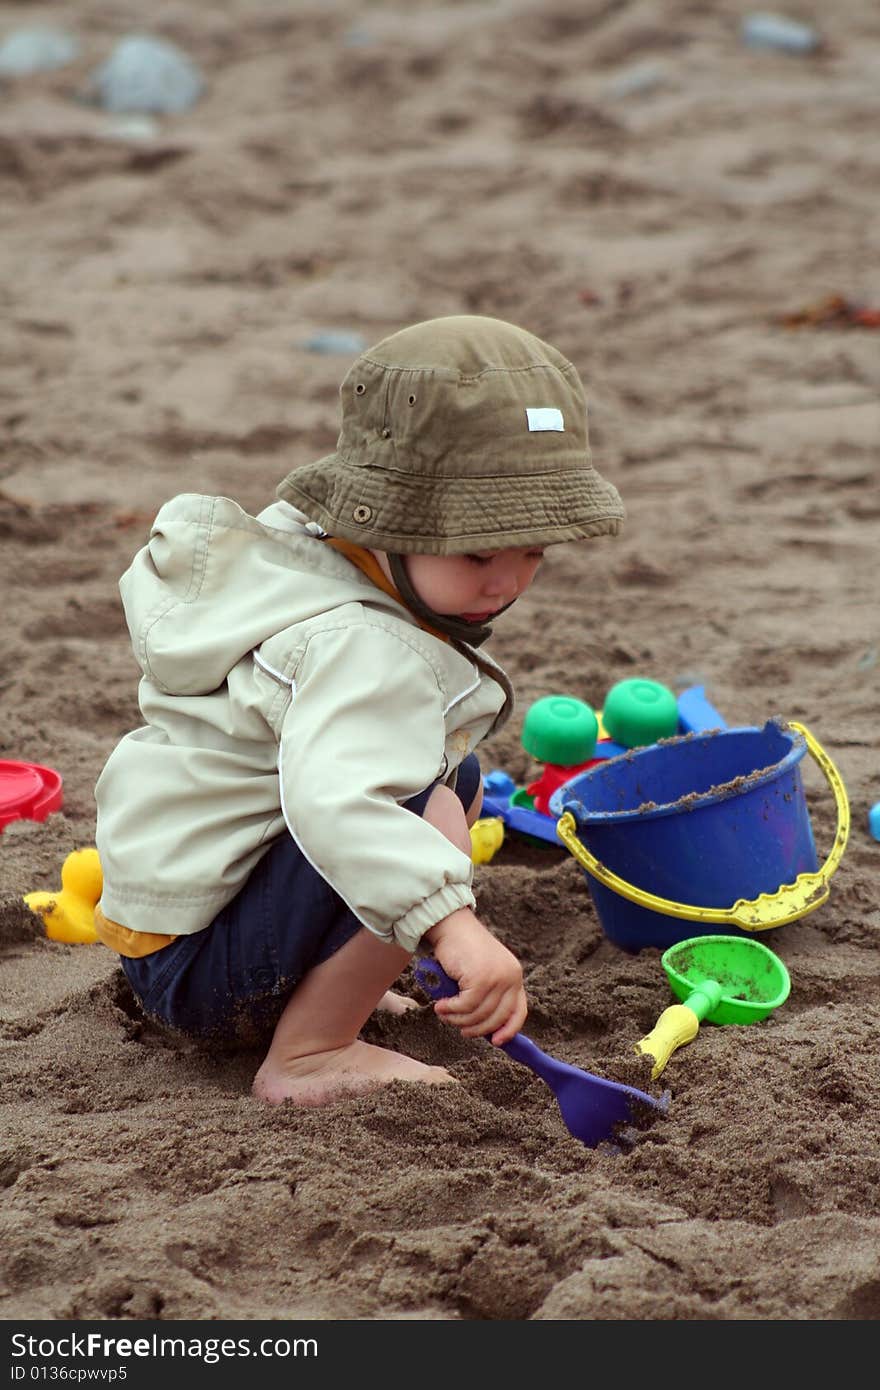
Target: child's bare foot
[[323, 1077], [392, 1003]]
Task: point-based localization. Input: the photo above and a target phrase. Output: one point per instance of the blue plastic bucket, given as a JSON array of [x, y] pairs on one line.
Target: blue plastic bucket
[[705, 819]]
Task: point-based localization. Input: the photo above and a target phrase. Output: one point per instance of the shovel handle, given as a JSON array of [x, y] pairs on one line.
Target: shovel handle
[[787, 904], [433, 979]]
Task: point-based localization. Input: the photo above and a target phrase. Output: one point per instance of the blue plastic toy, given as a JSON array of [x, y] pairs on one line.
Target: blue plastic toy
[[502, 797]]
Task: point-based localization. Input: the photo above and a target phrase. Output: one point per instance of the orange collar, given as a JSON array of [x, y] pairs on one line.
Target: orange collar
[[369, 565]]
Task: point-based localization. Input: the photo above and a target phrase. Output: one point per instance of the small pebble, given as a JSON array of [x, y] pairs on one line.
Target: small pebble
[[146, 74], [637, 80], [775, 31], [36, 50], [357, 38], [335, 340]]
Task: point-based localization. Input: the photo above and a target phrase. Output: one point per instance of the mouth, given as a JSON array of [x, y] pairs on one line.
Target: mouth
[[479, 617]]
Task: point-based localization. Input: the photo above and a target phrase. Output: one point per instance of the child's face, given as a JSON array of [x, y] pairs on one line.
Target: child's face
[[473, 587]]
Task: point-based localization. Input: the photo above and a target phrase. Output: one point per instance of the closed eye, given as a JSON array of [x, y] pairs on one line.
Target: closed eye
[[487, 559]]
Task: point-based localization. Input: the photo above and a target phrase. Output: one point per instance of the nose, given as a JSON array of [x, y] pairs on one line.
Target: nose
[[503, 581], [497, 588]]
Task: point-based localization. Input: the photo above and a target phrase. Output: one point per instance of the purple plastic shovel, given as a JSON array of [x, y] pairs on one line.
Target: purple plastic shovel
[[591, 1107]]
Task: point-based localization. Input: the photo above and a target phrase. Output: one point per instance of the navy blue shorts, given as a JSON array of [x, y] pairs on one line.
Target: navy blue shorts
[[231, 981]]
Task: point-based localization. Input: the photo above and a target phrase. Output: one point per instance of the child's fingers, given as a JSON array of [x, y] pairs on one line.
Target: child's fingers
[[509, 1029], [513, 1020], [488, 1021], [501, 1009], [471, 1011], [462, 1013]]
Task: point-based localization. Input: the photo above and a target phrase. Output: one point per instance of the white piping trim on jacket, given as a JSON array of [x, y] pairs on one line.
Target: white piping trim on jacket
[[270, 671], [464, 694], [305, 856], [288, 680]]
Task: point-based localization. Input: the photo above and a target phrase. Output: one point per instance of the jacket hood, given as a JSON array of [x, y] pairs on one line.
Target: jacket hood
[[213, 583]]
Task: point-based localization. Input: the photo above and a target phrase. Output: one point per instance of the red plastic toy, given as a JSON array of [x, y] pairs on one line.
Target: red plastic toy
[[554, 774], [28, 792]]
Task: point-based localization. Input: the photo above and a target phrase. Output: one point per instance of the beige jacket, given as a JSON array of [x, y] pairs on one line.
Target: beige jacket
[[282, 693]]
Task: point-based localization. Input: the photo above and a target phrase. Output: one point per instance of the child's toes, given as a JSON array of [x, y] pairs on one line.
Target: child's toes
[[396, 1003]]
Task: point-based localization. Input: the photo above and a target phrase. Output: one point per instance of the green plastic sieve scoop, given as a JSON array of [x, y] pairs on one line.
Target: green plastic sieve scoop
[[718, 979]]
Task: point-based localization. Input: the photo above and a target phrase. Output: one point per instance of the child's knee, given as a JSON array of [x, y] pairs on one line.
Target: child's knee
[[473, 811], [444, 810]]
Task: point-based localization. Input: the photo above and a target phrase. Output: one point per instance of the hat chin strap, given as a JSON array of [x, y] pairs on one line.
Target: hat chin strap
[[459, 629]]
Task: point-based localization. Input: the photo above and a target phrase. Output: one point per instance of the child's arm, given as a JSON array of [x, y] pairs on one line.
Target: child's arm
[[491, 1000]]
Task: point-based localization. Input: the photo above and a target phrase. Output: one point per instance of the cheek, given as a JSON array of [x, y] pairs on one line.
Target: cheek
[[527, 573], [464, 584], [443, 587]]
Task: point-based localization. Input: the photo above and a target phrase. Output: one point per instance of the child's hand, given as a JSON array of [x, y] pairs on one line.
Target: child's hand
[[491, 1001]]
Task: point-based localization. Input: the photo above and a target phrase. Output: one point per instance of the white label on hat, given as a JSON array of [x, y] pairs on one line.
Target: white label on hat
[[544, 417]]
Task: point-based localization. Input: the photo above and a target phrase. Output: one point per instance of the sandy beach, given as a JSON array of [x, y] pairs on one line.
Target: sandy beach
[[694, 223]]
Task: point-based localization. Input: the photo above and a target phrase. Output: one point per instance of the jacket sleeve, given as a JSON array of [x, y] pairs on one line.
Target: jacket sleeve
[[365, 731]]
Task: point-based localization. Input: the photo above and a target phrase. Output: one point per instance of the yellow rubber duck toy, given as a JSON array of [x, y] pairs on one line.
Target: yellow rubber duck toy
[[69, 915]]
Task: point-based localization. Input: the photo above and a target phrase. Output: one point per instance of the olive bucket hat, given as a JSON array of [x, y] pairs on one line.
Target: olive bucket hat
[[459, 434]]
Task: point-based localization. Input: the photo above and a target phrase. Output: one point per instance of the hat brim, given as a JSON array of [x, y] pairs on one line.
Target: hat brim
[[404, 514]]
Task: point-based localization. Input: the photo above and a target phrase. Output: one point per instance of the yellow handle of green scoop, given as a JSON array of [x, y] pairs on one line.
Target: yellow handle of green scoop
[[679, 1024], [787, 904], [676, 1026]]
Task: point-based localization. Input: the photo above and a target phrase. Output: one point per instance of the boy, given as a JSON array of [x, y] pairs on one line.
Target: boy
[[292, 821]]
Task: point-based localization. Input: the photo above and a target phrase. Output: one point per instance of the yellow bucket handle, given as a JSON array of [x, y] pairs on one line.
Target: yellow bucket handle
[[787, 904]]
